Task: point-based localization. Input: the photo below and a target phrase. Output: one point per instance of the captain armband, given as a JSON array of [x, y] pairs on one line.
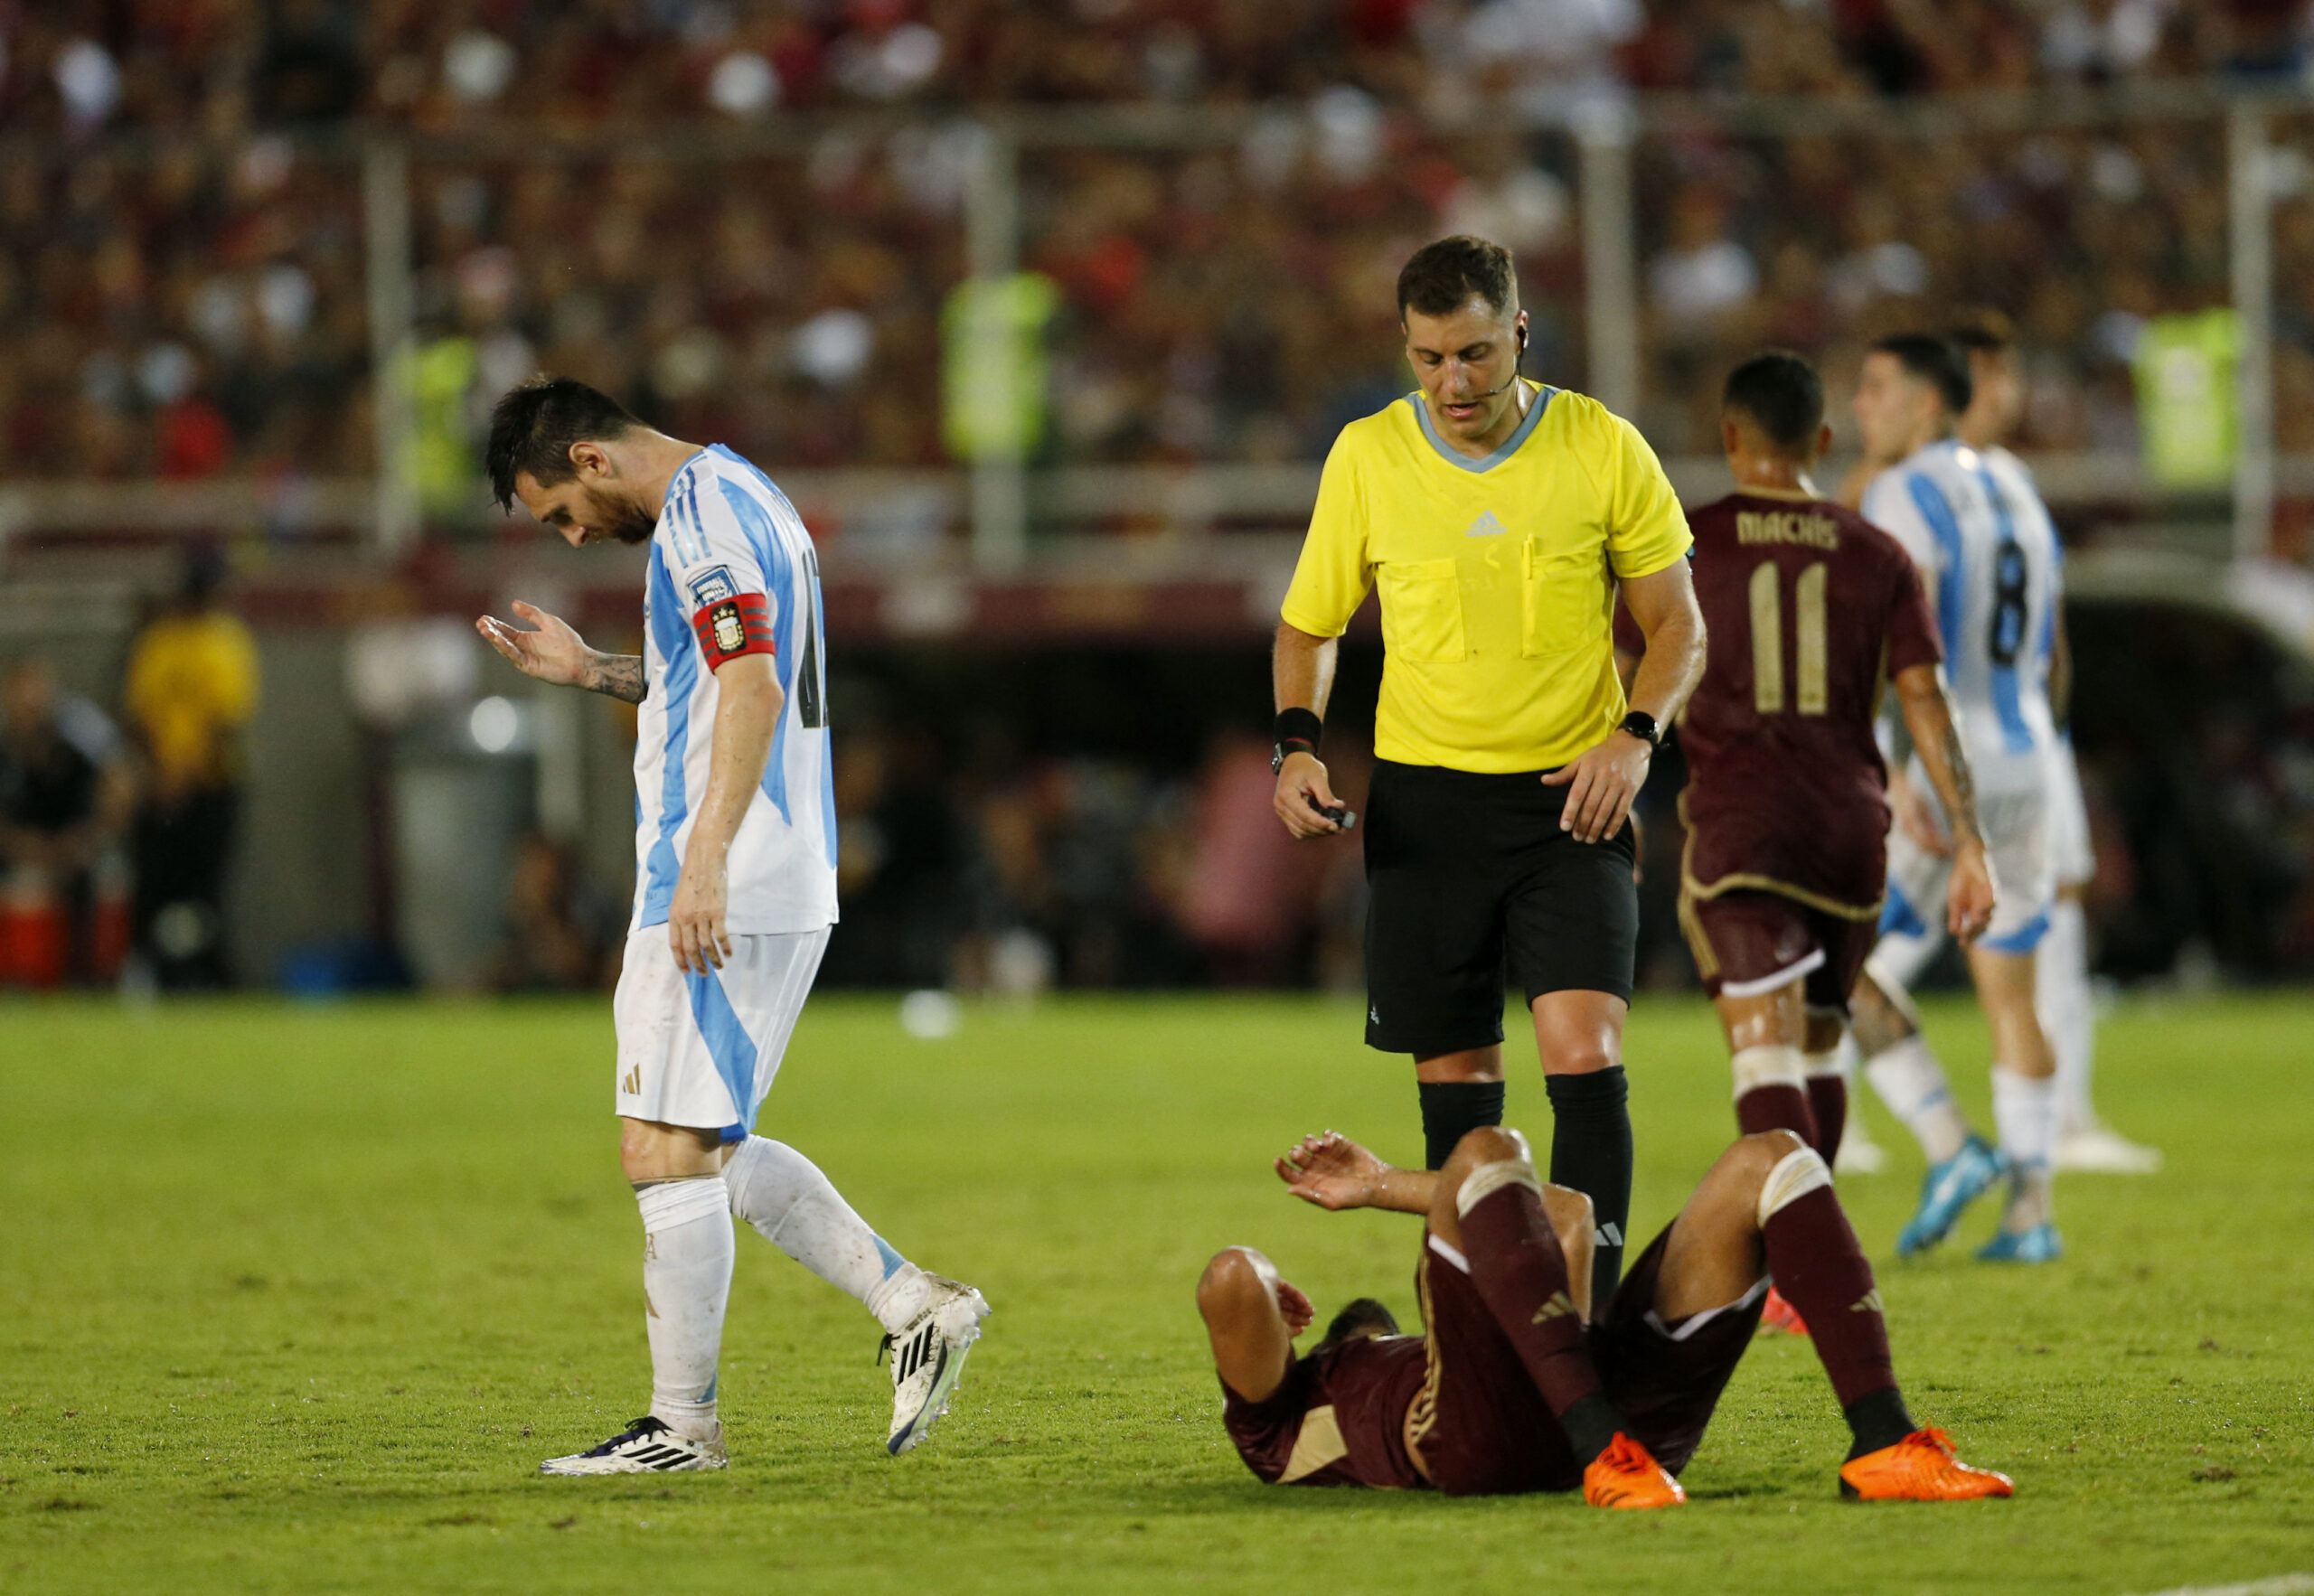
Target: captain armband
[[730, 627]]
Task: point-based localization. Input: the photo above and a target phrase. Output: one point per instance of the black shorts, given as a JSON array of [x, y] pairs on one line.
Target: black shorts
[[1486, 1431], [1472, 881]]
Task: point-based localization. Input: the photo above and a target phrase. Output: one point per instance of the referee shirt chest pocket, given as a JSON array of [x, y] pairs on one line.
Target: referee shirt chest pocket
[[1562, 600], [1421, 610]]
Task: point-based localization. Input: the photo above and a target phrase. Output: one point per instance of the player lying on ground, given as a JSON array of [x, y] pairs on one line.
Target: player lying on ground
[[735, 895], [1508, 1390]]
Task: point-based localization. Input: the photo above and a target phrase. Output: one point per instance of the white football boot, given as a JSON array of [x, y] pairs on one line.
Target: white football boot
[[929, 1358], [1859, 1153], [2099, 1149], [646, 1446]]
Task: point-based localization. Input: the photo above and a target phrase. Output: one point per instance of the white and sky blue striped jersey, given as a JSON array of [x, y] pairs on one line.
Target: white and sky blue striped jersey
[[726, 533], [1990, 556]]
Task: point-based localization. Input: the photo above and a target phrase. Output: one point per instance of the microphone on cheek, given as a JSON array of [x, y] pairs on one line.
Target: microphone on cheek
[[1513, 378]]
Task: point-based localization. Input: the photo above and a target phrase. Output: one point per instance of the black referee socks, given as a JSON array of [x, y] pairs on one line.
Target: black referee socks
[[1452, 1109], [1591, 1152]]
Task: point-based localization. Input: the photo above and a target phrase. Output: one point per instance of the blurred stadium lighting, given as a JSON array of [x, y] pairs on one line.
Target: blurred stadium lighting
[[494, 724]]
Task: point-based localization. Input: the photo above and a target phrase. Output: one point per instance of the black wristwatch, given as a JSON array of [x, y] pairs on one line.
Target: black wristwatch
[[1641, 724], [1297, 732]]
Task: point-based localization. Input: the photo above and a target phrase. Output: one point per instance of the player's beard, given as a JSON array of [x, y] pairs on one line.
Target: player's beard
[[626, 522]]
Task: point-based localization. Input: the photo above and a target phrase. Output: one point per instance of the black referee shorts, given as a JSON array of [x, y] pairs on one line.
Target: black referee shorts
[[1470, 881]]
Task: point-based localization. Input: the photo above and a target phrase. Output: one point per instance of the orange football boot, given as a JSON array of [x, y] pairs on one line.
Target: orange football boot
[[1921, 1468], [1778, 1314], [1626, 1475]]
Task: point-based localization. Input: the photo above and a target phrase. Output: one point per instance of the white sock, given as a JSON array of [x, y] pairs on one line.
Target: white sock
[[784, 1194], [2068, 1015], [2024, 1110], [687, 1253], [1912, 1084]]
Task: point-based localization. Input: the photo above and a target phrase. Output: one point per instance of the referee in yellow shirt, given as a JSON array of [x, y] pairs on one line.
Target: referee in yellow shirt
[[1499, 518]]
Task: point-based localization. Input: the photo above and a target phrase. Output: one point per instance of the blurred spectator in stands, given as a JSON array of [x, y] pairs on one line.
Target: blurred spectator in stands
[[66, 792], [562, 935], [191, 687], [900, 865], [1252, 895]]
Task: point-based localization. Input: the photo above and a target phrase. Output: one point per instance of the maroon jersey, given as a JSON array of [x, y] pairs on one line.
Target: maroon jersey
[[1808, 607], [1339, 1419]]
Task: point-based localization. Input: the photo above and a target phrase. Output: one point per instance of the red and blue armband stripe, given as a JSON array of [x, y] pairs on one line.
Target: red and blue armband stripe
[[730, 627]]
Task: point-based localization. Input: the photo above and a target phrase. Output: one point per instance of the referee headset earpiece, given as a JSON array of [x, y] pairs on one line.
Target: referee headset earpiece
[[1513, 378]]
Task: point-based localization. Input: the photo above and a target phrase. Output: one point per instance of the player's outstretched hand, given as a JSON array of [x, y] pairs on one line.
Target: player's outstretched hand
[[1971, 895], [551, 650], [1602, 785], [1303, 791], [1331, 1171]]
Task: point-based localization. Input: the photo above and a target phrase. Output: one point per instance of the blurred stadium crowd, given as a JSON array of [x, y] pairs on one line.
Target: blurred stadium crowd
[[191, 304], [197, 307]]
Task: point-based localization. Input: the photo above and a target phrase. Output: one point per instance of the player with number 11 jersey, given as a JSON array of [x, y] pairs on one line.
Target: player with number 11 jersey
[[1811, 611]]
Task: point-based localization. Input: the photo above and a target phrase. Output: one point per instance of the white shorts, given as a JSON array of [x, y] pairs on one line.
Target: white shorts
[[703, 1050], [2070, 854], [1912, 918]]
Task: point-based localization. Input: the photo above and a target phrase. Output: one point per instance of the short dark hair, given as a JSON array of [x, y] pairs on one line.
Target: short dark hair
[[1362, 1317], [1443, 275], [1934, 360], [532, 428], [1781, 394]]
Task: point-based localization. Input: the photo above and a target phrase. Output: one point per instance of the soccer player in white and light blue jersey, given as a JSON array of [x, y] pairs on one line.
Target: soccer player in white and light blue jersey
[[734, 898], [2061, 963], [1989, 556]]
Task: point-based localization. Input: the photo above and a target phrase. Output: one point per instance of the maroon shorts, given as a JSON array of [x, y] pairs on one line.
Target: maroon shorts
[[1488, 1432], [1748, 942]]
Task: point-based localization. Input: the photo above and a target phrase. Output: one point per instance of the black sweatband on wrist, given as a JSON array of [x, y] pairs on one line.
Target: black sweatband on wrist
[[1298, 725]]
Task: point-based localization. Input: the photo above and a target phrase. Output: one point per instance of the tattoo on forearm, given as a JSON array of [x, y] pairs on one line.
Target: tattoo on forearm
[[619, 675], [1964, 784]]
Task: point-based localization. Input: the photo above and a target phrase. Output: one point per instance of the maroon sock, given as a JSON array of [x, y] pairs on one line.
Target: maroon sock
[[1776, 1108], [1520, 1274], [1819, 1269], [1828, 1101]]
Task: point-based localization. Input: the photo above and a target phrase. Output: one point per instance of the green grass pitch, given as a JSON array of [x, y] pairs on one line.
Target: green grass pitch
[[295, 1299]]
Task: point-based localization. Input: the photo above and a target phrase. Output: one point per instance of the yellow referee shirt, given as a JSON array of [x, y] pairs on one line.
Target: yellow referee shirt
[[1497, 575]]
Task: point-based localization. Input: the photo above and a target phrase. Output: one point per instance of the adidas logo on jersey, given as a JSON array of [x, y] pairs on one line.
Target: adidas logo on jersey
[[1486, 526], [1609, 1234]]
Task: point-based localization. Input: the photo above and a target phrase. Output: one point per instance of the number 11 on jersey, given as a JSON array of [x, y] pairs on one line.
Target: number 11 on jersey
[[1812, 695]]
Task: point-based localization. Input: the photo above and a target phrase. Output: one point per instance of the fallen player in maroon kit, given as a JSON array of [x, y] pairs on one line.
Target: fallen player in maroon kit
[[1511, 1390]]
